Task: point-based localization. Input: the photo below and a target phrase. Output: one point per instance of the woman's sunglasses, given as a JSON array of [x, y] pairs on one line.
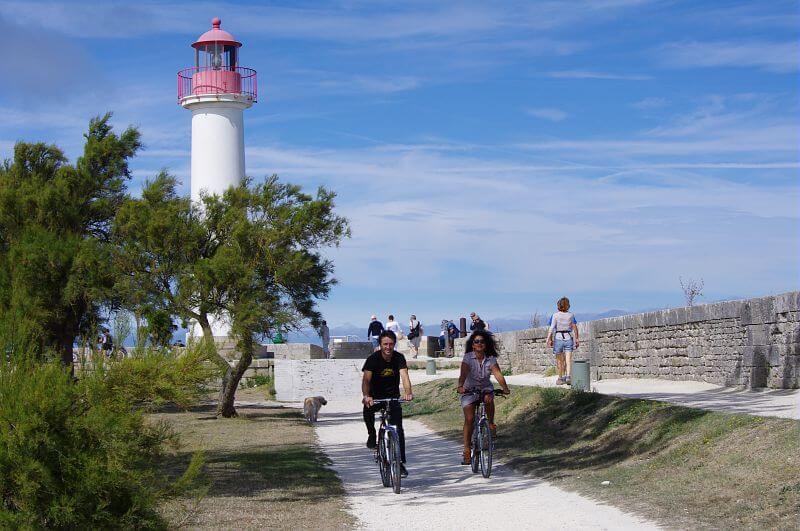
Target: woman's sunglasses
[[478, 341]]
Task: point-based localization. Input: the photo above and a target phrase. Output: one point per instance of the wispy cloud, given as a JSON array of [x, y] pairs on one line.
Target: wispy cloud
[[589, 74], [650, 103], [782, 57], [554, 115]]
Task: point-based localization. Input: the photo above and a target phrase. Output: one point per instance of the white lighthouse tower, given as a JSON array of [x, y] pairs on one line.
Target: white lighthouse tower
[[217, 91]]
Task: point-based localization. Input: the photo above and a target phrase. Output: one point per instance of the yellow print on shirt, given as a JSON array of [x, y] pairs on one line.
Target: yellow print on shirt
[[388, 371]]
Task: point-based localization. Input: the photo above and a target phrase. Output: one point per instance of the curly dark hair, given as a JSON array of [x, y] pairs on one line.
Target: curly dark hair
[[389, 334], [488, 338]]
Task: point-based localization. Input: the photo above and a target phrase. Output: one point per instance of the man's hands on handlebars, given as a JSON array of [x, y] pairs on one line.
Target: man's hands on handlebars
[[369, 401]]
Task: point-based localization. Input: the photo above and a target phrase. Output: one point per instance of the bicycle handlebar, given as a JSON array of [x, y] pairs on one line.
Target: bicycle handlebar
[[387, 400], [476, 390]]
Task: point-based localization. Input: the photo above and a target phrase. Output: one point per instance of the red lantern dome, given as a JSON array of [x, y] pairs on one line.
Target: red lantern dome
[[216, 68]]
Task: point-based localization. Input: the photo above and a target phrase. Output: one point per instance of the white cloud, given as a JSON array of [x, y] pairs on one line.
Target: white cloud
[[588, 74], [647, 104], [554, 115], [782, 57]]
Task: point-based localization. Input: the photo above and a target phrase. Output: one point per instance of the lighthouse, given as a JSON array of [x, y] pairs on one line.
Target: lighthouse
[[217, 91]]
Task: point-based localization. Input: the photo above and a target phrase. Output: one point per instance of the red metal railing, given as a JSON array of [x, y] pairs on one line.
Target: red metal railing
[[207, 80]]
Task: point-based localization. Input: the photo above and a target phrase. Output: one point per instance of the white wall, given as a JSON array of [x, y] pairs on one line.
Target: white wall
[[296, 380]]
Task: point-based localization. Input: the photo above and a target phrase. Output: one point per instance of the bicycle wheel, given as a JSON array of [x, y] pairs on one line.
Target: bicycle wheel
[[485, 436], [383, 463], [475, 451], [394, 456]]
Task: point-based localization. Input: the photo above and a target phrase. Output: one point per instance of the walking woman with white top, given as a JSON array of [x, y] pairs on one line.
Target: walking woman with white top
[[563, 337]]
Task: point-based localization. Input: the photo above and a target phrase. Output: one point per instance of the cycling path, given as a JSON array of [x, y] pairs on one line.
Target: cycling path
[[441, 494]]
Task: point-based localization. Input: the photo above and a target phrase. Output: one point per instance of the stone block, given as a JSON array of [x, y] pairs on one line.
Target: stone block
[[351, 350], [297, 351]]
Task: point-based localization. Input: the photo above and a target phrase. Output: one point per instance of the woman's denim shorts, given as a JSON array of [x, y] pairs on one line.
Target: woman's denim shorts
[[563, 345]]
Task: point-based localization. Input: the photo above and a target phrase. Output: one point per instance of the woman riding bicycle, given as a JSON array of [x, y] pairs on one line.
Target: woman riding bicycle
[[479, 363]]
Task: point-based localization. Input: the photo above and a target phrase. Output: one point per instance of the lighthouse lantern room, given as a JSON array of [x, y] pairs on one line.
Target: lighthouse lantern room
[[217, 91]]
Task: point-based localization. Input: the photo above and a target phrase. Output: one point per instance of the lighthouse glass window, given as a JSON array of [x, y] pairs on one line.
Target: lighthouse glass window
[[216, 56]]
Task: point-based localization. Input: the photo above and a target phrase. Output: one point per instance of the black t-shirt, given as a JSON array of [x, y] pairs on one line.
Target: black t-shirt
[[385, 381]]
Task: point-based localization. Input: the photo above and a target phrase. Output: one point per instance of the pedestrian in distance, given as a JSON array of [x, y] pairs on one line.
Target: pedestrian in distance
[[477, 322], [394, 326], [477, 366], [325, 336], [107, 343], [443, 335], [414, 335], [382, 373], [563, 337], [453, 333], [374, 331]]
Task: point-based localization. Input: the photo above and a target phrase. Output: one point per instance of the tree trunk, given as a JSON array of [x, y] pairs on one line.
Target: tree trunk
[[65, 342], [225, 407], [222, 363]]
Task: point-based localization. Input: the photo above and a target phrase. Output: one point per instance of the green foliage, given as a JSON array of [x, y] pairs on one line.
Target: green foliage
[[55, 253], [72, 457], [551, 371], [251, 255], [79, 454], [264, 383], [151, 378]]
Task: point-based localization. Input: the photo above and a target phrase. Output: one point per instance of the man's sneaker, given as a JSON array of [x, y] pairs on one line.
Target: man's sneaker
[[403, 471], [467, 457], [560, 381], [371, 443], [568, 380]]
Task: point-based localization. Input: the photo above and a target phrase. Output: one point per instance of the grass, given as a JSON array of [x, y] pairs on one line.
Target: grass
[[683, 467], [264, 384], [263, 470]]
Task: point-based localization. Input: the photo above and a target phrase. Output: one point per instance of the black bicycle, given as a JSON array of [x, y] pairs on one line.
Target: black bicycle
[[387, 451], [482, 443]]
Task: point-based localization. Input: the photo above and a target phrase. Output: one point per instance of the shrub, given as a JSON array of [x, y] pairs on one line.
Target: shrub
[[80, 455]]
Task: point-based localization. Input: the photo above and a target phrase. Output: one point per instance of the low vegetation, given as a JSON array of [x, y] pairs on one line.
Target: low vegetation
[[683, 467], [80, 454], [263, 471]]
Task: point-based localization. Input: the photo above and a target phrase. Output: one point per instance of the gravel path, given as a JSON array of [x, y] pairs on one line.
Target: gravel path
[[441, 494]]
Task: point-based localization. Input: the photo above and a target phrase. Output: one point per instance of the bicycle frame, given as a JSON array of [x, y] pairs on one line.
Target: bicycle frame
[[387, 451], [482, 444]]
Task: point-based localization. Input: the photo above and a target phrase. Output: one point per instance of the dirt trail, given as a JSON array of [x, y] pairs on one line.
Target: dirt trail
[[441, 494]]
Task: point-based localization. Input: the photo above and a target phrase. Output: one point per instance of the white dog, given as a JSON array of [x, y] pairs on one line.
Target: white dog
[[311, 407]]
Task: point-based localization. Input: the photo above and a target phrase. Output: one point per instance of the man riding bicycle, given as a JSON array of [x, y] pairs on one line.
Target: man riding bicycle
[[383, 371], [478, 364]]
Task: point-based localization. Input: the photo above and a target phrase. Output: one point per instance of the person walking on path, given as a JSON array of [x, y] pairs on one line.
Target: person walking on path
[[414, 335], [478, 364], [477, 322], [374, 331], [382, 372], [560, 336], [394, 326], [325, 335]]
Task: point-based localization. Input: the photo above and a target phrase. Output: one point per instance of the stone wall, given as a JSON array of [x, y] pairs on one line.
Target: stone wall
[[751, 343], [358, 350]]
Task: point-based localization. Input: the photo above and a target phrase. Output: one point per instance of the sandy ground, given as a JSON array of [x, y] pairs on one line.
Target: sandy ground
[[441, 494], [783, 403]]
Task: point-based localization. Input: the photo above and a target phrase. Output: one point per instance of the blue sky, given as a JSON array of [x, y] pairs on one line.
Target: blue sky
[[490, 156]]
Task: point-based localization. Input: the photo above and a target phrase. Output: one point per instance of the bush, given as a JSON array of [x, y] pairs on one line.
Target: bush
[[150, 378], [80, 455]]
